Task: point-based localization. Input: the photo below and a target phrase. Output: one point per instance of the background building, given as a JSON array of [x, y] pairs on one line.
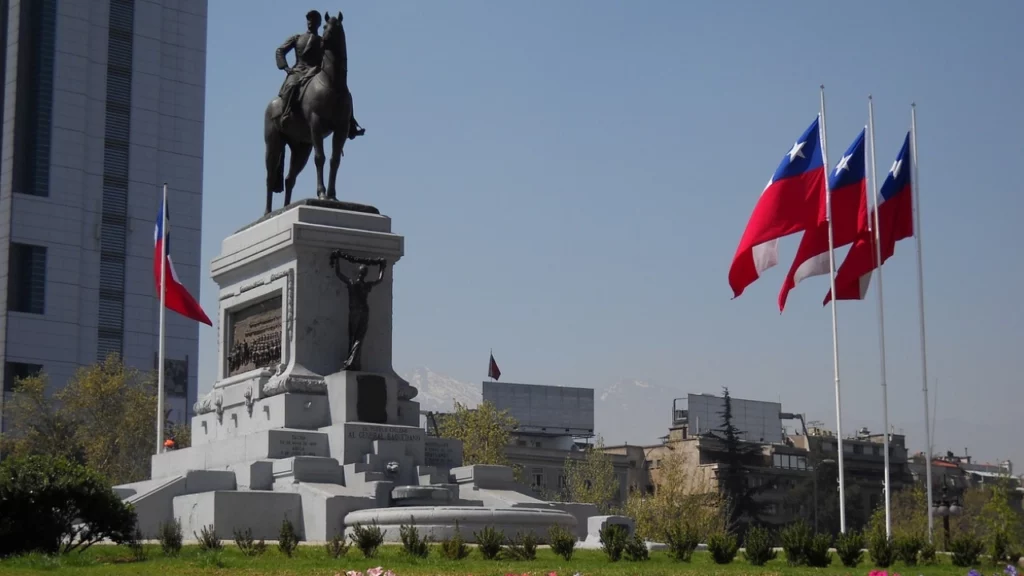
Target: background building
[[103, 101]]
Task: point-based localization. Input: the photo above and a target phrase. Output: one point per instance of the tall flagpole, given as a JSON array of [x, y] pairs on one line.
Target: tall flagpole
[[881, 320], [163, 310], [915, 189], [835, 331]]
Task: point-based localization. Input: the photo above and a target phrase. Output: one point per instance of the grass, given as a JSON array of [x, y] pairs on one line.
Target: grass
[[312, 560]]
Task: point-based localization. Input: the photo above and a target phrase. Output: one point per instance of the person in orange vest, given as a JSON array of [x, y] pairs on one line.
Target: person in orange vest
[[169, 444]]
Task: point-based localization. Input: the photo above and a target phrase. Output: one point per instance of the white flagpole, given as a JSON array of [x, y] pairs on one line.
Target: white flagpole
[[915, 189], [835, 331], [163, 313], [881, 320]]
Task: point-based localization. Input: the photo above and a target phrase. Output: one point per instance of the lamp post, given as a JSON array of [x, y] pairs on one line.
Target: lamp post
[[814, 476], [944, 507]]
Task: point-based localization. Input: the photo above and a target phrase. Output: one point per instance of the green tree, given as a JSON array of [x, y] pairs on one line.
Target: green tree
[[484, 432], [102, 418], [591, 479], [682, 497], [735, 457]]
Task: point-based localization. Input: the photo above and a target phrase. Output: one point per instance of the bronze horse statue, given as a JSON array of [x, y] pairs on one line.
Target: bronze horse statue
[[325, 107]]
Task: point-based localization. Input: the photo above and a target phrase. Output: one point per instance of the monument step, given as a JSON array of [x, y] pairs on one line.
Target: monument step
[[359, 474], [308, 469], [264, 445]]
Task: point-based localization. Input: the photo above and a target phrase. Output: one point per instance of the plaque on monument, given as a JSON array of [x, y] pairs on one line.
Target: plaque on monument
[[254, 339], [371, 399]]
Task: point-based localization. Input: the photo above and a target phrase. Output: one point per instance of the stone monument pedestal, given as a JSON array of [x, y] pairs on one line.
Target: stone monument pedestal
[[286, 431]]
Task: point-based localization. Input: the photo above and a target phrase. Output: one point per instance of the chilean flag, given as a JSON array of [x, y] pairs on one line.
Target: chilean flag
[[791, 202], [895, 222], [492, 369], [847, 185], [176, 296]]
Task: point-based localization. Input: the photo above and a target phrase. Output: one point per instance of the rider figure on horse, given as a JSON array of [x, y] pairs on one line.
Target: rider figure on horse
[[309, 54]]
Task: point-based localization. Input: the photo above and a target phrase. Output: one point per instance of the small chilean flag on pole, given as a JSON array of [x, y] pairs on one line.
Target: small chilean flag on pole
[[176, 297], [492, 369], [173, 295]]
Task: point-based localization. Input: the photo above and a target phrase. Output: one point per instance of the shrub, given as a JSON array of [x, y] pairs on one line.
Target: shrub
[[850, 548], [997, 546], [907, 548], [52, 505], [247, 545], [758, 548], [171, 537], [489, 542], [135, 544], [796, 538], [881, 549], [367, 538], [411, 541], [682, 540], [522, 547], [817, 554], [966, 548], [287, 539], [636, 549], [337, 546], [562, 541], [208, 541], [723, 547], [454, 548], [613, 540], [927, 553]]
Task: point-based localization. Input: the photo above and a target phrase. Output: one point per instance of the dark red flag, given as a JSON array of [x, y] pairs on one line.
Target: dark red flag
[[492, 369]]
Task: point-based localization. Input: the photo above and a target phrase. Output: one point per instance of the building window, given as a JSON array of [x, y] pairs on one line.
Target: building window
[[37, 27], [876, 450], [858, 448], [114, 215], [538, 478], [14, 371], [26, 279], [827, 447]]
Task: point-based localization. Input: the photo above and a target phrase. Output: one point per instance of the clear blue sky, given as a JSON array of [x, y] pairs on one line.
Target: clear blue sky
[[572, 179]]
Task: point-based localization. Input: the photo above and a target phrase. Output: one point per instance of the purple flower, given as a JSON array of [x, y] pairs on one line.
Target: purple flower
[[1011, 570], [974, 573]]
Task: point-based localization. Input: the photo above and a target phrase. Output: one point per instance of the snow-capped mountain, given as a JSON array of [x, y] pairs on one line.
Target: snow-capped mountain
[[633, 411], [438, 393]]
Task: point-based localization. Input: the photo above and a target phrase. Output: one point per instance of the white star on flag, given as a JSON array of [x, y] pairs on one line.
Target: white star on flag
[[796, 150], [895, 170], [844, 164]]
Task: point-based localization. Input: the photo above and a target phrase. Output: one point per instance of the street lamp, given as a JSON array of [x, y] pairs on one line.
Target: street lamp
[[945, 507], [814, 475]]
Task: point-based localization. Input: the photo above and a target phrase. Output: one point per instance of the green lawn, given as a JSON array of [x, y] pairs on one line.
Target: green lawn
[[312, 560]]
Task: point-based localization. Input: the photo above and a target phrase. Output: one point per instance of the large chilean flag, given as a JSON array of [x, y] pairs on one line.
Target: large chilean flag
[[792, 202], [847, 185], [895, 222], [177, 297]]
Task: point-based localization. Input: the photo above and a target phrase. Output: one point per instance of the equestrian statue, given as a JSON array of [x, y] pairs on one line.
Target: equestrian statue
[[314, 102]]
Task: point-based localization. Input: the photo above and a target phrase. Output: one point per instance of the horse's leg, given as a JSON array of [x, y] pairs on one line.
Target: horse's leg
[[337, 147], [275, 166], [300, 155], [317, 133]]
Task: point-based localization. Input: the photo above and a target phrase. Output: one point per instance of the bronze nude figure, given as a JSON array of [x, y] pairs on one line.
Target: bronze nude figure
[[358, 305]]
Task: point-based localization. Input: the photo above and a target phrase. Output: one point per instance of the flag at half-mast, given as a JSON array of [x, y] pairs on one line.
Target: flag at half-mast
[[176, 296], [790, 203], [492, 369], [895, 222], [847, 185]]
